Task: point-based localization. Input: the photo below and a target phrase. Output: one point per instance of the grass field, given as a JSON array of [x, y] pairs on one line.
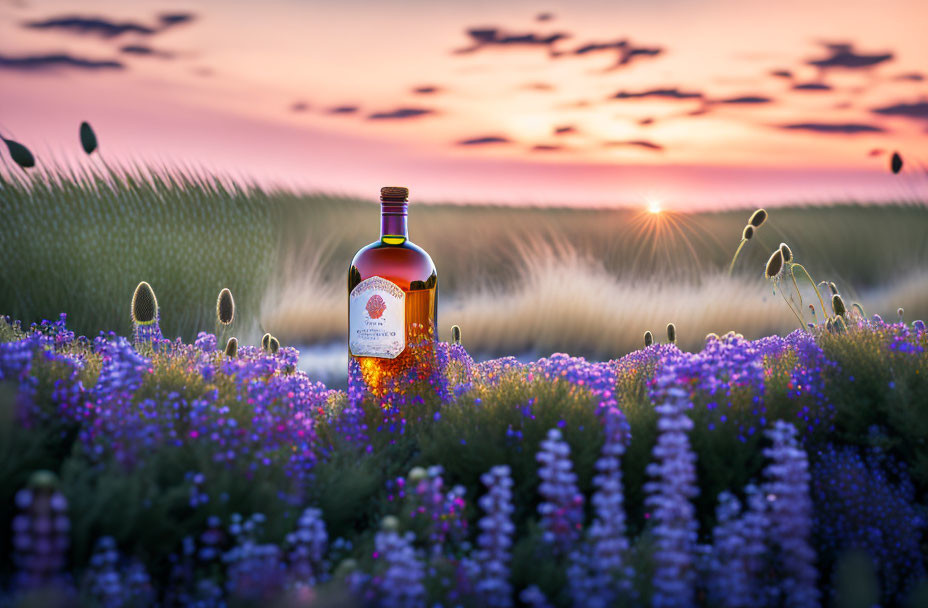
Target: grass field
[[585, 281]]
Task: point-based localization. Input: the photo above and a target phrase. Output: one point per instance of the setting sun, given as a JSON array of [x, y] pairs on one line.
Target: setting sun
[[654, 207]]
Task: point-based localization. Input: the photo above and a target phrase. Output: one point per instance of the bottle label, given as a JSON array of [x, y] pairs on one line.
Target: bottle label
[[377, 319]]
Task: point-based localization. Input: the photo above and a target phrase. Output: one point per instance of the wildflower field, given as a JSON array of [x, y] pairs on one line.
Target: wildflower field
[[784, 471]]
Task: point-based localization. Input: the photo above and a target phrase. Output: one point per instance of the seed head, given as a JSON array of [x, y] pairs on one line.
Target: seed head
[[758, 218], [88, 138], [839, 324], [43, 480], [390, 523], [265, 342], [648, 338], [901, 313], [833, 288], [787, 252], [860, 310], [747, 233], [144, 305], [225, 307], [232, 348], [455, 334], [671, 333], [837, 303], [273, 345], [711, 336], [896, 163], [20, 154], [774, 265], [829, 325]]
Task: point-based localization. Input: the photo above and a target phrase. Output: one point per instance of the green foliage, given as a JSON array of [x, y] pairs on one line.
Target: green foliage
[[877, 387], [83, 239]]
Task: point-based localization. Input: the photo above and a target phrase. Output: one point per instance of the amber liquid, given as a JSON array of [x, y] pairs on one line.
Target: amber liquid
[[400, 261]]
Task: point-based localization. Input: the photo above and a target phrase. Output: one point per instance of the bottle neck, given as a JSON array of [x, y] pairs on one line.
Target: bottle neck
[[393, 229]]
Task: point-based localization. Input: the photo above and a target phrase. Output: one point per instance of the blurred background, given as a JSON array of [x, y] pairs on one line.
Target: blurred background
[[580, 171]]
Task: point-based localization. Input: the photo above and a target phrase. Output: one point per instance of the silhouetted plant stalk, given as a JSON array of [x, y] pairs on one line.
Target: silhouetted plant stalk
[[225, 313], [756, 220]]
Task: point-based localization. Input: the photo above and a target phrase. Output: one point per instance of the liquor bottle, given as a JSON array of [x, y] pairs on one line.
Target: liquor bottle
[[392, 300]]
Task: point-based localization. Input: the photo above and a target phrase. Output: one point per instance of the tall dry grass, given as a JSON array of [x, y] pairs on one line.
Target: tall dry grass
[[566, 301]]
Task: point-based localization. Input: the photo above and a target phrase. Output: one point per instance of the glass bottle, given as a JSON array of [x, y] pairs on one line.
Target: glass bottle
[[392, 301]]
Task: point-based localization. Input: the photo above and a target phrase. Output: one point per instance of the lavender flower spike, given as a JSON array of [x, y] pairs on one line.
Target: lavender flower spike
[[401, 585], [562, 505], [495, 539], [790, 515], [673, 485]]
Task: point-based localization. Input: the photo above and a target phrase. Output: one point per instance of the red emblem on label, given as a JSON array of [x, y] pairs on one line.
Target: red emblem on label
[[375, 306]]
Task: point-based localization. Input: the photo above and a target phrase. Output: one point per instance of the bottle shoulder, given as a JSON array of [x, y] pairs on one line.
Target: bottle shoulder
[[402, 263]]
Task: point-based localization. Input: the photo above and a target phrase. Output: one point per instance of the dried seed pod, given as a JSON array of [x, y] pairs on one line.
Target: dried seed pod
[[20, 154], [833, 288], [273, 345], [232, 348], [225, 307], [671, 333], [455, 334], [787, 253], [266, 341], [895, 164], [88, 138], [758, 218], [829, 325], [774, 265], [648, 338], [747, 233], [839, 325], [901, 313], [144, 305], [837, 304]]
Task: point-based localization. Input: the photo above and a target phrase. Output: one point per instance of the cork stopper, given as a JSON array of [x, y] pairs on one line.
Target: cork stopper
[[394, 193]]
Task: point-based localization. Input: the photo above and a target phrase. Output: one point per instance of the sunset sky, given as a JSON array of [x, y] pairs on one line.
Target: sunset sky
[[681, 103]]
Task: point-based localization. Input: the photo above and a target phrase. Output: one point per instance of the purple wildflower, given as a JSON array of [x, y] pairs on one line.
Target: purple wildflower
[[673, 485], [561, 508], [495, 539], [401, 583], [308, 545], [790, 515]]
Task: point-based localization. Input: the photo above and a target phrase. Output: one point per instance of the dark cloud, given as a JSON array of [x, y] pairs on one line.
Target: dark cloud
[[876, 152], [401, 114], [143, 50], [849, 128], [172, 19], [626, 51], [745, 100], [108, 28], [843, 55], [299, 106], [428, 89], [812, 86], [344, 110], [911, 77], [781, 74], [485, 140], [29, 63], [96, 26], [673, 93], [918, 110], [647, 121], [565, 130], [637, 143], [544, 16], [547, 148], [496, 37]]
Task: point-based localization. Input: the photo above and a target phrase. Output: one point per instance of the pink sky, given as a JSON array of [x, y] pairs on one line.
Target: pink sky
[[219, 91]]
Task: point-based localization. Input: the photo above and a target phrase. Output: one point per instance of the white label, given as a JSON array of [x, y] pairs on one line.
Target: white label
[[377, 319]]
